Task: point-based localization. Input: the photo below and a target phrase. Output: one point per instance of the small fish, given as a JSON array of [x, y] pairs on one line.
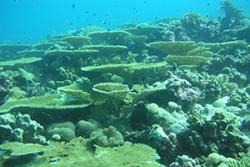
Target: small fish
[[73, 6], [208, 4]]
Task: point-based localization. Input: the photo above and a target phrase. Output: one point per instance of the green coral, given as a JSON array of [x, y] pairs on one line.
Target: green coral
[[173, 48], [78, 153], [111, 89], [75, 93], [61, 131], [187, 60], [45, 103], [76, 41], [125, 69], [144, 29], [107, 91], [109, 37], [107, 137], [107, 50], [70, 53], [16, 149], [217, 160], [47, 44], [19, 62]]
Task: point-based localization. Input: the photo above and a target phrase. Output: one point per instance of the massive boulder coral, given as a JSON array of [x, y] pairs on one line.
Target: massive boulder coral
[[61, 131], [85, 128], [107, 137], [21, 128]]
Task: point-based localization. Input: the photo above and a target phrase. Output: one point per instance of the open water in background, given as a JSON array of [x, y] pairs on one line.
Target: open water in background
[[29, 21]]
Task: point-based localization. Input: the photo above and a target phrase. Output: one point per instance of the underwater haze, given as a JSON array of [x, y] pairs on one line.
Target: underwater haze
[[122, 83], [33, 20]]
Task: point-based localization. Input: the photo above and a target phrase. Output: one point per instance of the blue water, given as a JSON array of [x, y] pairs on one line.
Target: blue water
[[29, 21]]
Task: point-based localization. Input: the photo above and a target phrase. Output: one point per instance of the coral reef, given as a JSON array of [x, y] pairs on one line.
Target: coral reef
[[85, 128], [183, 161], [61, 131], [77, 153], [107, 137], [21, 128], [174, 92]]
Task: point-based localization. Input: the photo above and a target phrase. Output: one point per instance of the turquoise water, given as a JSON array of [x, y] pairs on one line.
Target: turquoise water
[[29, 21]]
